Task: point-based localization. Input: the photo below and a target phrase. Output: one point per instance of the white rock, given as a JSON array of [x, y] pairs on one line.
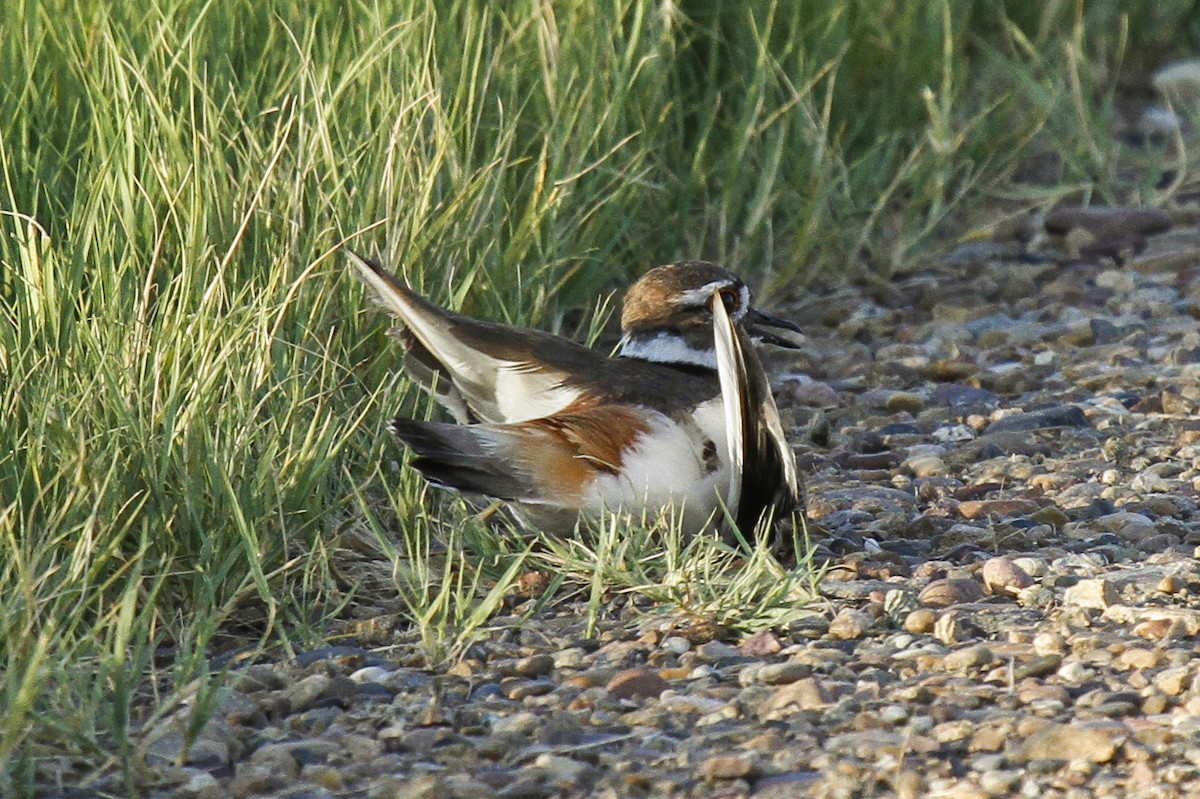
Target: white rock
[[1097, 593], [1075, 672], [372, 674], [953, 434]]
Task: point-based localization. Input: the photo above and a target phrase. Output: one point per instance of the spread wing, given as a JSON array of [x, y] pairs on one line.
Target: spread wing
[[480, 371], [488, 372]]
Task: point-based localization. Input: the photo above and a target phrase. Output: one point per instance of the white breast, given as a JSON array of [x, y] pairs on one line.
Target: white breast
[[666, 466]]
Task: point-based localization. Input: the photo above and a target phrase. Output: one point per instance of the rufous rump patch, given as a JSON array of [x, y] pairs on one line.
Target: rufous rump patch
[[568, 451]]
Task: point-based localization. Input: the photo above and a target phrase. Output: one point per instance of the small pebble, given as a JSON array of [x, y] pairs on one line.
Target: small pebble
[[636, 683], [850, 624], [676, 644], [783, 673], [920, 621], [727, 767], [1095, 594], [972, 657], [1004, 577], [947, 592]]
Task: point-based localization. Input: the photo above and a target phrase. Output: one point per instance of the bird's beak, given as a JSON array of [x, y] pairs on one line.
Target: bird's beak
[[756, 320]]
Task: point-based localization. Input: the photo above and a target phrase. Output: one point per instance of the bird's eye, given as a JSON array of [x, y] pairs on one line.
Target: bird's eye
[[730, 298]]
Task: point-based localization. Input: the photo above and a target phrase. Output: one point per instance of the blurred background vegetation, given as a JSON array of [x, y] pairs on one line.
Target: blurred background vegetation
[[195, 395]]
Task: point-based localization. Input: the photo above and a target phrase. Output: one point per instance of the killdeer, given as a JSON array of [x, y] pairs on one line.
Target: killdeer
[[681, 418]]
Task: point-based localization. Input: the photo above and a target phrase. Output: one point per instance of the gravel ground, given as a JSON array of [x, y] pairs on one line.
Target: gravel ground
[[1003, 458]]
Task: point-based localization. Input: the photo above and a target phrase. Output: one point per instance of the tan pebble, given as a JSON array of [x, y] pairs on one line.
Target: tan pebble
[[1068, 742], [972, 657], [727, 767], [925, 465], [1074, 672], [1170, 584], [1154, 704], [1002, 576], [1032, 692], [301, 695], [1137, 658], [953, 731], [1142, 774], [1096, 594], [650, 638], [1048, 643], [920, 621], [463, 668], [850, 624], [1029, 725], [928, 662], [950, 591], [990, 737], [1185, 620], [1172, 681], [806, 694], [636, 683]]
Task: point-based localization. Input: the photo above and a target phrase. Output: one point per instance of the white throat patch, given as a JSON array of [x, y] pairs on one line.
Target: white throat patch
[[667, 348]]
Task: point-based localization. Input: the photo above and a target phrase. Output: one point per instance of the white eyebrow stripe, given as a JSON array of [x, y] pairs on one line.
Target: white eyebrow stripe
[[700, 296], [704, 292]]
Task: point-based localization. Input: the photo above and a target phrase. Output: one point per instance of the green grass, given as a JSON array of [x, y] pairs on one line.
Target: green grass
[[195, 394]]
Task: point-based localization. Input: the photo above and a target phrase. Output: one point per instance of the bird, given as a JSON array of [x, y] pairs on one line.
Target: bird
[[681, 419]]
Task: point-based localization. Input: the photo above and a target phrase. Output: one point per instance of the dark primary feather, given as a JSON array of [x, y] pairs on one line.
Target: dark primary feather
[[768, 479], [453, 456]]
